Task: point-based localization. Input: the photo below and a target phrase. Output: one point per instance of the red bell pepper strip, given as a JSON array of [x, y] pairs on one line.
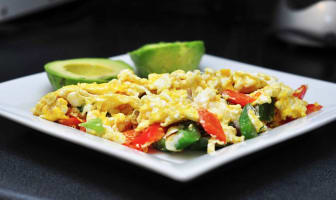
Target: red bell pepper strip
[[71, 121], [211, 124], [300, 92], [238, 98], [81, 128], [146, 137], [130, 136], [313, 108]]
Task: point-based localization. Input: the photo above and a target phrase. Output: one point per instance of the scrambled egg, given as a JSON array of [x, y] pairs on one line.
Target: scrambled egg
[[130, 101]]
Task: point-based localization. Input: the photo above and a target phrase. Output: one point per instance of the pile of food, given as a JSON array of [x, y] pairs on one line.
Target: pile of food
[[179, 110]]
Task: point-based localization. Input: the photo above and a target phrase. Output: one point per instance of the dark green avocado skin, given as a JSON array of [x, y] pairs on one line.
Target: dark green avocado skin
[[167, 57], [58, 81]]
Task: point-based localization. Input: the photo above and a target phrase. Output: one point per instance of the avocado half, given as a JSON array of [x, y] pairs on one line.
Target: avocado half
[[83, 70], [166, 57]]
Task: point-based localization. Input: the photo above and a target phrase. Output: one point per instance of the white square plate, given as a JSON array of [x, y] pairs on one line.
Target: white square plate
[[23, 93]]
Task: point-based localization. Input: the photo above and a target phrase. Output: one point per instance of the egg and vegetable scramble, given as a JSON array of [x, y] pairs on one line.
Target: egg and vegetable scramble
[[177, 111]]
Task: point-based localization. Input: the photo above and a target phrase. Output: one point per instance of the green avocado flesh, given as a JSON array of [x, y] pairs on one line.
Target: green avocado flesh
[[83, 70], [167, 57]]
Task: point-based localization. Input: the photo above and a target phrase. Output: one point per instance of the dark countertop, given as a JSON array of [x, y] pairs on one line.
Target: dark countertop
[[36, 166]]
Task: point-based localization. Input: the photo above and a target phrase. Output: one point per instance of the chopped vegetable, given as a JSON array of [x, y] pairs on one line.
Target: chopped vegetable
[[238, 98], [95, 125], [266, 111], [80, 108], [150, 135], [130, 135], [300, 92], [247, 128], [160, 145], [313, 108], [185, 136], [200, 144], [71, 121], [211, 124]]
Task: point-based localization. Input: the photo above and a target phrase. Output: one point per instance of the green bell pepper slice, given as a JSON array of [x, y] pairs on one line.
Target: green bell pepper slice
[[186, 137], [200, 144], [266, 111], [187, 134], [95, 125], [247, 128], [80, 108], [160, 145]]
